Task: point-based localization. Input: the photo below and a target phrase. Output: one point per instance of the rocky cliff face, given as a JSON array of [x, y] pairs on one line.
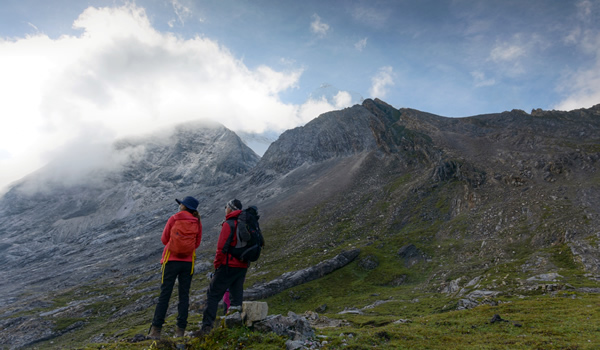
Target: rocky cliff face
[[536, 174], [57, 234], [467, 194]]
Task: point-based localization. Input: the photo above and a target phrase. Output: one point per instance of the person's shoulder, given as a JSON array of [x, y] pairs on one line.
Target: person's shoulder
[[233, 215], [183, 215]]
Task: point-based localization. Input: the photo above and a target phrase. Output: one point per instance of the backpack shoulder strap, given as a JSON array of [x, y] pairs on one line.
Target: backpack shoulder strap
[[231, 223]]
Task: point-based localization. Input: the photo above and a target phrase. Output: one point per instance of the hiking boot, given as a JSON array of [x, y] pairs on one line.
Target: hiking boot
[[202, 332], [154, 333], [233, 309], [179, 332]]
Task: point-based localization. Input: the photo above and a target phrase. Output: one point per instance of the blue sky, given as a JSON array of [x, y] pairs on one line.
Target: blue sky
[[78, 74]]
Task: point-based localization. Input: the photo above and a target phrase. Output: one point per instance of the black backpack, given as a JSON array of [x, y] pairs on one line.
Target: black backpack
[[249, 237]]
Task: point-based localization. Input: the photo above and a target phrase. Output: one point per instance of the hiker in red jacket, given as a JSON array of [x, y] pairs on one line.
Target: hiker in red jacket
[[181, 237], [230, 272]]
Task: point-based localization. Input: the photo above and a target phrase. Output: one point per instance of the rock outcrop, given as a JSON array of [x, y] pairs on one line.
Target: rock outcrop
[[294, 278]]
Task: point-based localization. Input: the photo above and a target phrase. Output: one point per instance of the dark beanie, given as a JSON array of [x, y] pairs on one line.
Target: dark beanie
[[234, 204]]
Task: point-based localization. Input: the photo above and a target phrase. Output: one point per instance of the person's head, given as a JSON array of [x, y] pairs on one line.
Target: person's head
[[188, 203], [233, 205]]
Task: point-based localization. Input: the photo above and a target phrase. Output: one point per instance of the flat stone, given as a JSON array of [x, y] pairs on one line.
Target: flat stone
[[546, 277]]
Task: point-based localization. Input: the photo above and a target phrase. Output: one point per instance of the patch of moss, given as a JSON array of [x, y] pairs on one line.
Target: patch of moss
[[562, 257], [62, 324], [398, 183], [593, 241]]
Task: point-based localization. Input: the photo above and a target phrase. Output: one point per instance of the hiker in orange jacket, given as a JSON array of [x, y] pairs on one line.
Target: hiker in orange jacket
[[178, 263], [230, 272]]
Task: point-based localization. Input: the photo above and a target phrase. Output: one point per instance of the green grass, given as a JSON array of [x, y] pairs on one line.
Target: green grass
[[454, 251], [561, 321], [546, 323]]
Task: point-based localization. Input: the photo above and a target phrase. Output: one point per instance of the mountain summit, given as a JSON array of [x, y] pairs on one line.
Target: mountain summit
[[111, 214], [439, 205]]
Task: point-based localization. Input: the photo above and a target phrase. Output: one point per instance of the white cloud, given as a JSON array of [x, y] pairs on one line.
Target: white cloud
[[361, 44], [582, 87], [313, 108], [183, 12], [584, 10], [123, 77], [381, 82], [342, 99], [371, 16], [318, 27], [481, 80], [509, 57], [33, 26], [506, 52]]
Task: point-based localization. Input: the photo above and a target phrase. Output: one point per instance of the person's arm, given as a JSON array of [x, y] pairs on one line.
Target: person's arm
[[199, 236], [220, 257]]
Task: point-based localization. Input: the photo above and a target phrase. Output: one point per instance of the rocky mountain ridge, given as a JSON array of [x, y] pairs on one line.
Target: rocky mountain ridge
[[84, 230], [468, 194]]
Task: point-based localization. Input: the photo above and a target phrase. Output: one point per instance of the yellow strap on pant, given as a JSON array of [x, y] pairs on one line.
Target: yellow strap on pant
[[166, 259], [193, 261]]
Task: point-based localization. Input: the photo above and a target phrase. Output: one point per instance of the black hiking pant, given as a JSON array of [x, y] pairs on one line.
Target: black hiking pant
[[180, 270], [225, 277]]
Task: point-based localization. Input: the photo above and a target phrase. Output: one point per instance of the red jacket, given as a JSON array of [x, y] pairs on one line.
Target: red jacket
[[166, 235], [220, 257]]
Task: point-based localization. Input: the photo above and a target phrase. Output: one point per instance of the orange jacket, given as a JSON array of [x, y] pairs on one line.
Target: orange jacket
[[166, 235], [220, 257]]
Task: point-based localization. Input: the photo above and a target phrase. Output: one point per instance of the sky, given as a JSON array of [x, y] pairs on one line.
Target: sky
[[75, 75]]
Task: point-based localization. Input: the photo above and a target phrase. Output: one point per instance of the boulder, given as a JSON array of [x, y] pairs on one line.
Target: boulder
[[294, 278], [369, 262], [546, 277], [411, 255], [293, 326], [476, 298], [233, 320], [253, 311]]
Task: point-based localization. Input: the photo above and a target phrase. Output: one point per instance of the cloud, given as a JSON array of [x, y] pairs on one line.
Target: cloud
[[361, 44], [122, 76], [87, 159], [582, 87], [317, 27], [584, 10], [381, 81], [509, 57], [370, 16], [480, 79], [583, 90], [315, 107], [342, 99], [182, 12], [33, 26], [506, 52]]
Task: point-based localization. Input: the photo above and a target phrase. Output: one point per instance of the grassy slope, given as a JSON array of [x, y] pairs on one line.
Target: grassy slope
[[550, 320]]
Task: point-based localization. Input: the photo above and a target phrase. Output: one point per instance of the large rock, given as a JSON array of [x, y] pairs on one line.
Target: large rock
[[253, 311], [546, 277], [293, 326], [411, 255], [233, 320], [294, 278], [476, 298], [369, 262]]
